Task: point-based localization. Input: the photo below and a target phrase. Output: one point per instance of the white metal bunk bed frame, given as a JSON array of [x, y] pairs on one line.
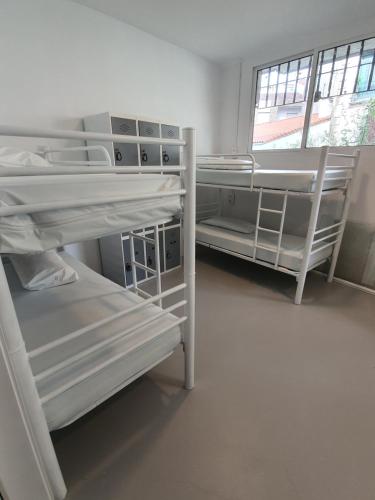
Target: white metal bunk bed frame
[[333, 239], [142, 234], [12, 345]]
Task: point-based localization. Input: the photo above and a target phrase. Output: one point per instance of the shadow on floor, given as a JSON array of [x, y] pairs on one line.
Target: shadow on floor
[[276, 281], [116, 435]]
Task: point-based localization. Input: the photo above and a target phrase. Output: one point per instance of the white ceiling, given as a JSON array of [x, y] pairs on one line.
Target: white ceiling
[[221, 30]]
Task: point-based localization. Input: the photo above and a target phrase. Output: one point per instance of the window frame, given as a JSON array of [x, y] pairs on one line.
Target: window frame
[[310, 95]]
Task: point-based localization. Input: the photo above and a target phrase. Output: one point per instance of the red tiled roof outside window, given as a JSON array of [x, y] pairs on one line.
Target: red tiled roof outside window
[[267, 132]]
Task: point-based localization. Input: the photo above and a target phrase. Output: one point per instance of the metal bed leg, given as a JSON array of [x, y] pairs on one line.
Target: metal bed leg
[[18, 367], [312, 225], [301, 279], [189, 161], [345, 212]]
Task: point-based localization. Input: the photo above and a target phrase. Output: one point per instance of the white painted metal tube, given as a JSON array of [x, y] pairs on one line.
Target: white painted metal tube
[[143, 238], [101, 149], [323, 247], [312, 225], [157, 263], [97, 324], [281, 229], [189, 159], [250, 259], [103, 365], [267, 230], [43, 207], [145, 268], [341, 155], [10, 173], [18, 367], [327, 237], [107, 341], [296, 194], [328, 227], [257, 224], [344, 218], [45, 133]]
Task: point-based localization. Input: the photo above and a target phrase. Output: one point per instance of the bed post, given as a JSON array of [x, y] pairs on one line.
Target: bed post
[[189, 161], [19, 371], [301, 277], [345, 212]]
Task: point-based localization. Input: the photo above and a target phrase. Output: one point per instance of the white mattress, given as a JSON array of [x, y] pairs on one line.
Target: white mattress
[[49, 315], [291, 247], [45, 230], [293, 180]]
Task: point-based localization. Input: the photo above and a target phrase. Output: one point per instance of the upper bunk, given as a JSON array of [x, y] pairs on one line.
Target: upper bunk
[[241, 172], [45, 205]]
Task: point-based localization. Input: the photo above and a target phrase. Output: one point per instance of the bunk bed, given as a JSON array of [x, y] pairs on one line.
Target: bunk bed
[[270, 245], [69, 348]]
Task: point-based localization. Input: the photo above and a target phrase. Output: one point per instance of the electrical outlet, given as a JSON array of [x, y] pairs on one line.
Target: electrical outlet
[[231, 197]]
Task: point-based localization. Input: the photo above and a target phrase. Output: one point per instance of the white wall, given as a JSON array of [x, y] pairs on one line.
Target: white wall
[[61, 61], [235, 127]]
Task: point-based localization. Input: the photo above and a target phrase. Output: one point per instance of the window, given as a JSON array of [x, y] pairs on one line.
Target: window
[[280, 105], [342, 111]]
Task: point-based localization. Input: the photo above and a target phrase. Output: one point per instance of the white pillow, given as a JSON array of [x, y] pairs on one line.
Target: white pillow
[[18, 158], [239, 225], [42, 270]]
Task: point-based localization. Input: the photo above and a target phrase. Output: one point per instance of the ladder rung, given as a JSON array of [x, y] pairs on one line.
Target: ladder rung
[[145, 268], [273, 231], [143, 238], [274, 250], [270, 210]]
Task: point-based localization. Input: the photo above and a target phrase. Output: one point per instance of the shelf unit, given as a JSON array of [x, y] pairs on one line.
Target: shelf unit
[[115, 249]]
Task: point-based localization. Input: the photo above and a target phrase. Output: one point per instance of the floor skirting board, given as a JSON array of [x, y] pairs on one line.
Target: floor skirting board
[[350, 283]]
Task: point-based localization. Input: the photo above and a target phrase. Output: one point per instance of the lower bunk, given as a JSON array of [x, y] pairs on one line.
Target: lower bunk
[[82, 347], [215, 233]]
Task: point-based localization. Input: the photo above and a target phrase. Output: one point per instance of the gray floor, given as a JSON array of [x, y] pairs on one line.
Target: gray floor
[[283, 409]]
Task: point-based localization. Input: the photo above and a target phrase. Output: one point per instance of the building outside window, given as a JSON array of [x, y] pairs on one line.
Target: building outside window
[[340, 111]]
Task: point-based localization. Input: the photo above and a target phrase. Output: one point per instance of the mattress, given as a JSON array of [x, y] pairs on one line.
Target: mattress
[[54, 228], [49, 315], [291, 253], [292, 180]]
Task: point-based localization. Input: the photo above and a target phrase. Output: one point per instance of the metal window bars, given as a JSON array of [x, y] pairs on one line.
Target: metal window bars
[[316, 239], [11, 340]]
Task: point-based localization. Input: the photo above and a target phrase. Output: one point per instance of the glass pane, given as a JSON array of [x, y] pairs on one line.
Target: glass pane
[[271, 96], [340, 60], [363, 78], [263, 98], [327, 61], [304, 68], [346, 120], [324, 84], [279, 127], [372, 87], [273, 75], [264, 77], [283, 72], [350, 80], [368, 51], [290, 88], [280, 93], [301, 90], [281, 103], [355, 50], [336, 82], [293, 70]]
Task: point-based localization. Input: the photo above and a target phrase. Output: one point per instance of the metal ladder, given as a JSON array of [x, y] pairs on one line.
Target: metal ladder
[[156, 273], [279, 232]]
